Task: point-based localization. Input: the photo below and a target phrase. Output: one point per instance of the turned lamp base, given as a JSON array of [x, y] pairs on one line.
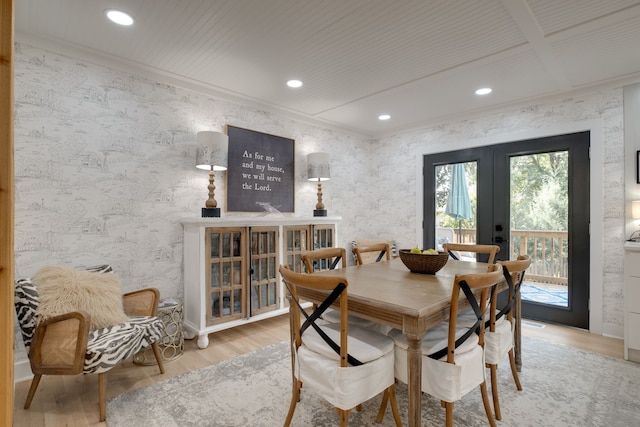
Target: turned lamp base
[[211, 212]]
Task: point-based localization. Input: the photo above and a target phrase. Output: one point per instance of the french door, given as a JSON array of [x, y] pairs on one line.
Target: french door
[[529, 197]]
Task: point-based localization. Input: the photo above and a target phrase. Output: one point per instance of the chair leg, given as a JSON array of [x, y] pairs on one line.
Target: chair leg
[[32, 390], [389, 394], [383, 406], [494, 391], [448, 406], [487, 406], [394, 406], [514, 370], [102, 395], [158, 355], [295, 397], [344, 417]]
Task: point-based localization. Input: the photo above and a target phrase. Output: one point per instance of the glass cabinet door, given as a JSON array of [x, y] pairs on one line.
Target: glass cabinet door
[[225, 259], [323, 236], [296, 241], [264, 284]]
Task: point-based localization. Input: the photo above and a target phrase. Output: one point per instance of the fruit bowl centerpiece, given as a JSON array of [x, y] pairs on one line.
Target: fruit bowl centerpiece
[[429, 261]]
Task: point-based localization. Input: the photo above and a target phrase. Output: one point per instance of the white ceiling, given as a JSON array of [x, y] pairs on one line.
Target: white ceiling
[[419, 61]]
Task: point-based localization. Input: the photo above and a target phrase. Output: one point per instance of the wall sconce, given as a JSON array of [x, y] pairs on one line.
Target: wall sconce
[[212, 155], [319, 169]]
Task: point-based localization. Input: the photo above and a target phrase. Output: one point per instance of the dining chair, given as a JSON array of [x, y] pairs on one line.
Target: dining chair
[[345, 365], [382, 249], [453, 356], [499, 335], [323, 259], [455, 250], [329, 259]]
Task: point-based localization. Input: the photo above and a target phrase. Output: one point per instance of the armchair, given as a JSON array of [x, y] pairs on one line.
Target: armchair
[[65, 344]]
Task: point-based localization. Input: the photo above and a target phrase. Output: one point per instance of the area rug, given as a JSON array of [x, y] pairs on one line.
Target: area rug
[[562, 387]]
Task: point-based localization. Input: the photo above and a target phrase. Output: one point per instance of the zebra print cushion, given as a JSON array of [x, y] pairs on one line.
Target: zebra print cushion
[[109, 346], [26, 302], [106, 347]]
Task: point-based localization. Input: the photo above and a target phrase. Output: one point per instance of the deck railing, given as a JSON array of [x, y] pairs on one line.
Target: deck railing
[[548, 251]]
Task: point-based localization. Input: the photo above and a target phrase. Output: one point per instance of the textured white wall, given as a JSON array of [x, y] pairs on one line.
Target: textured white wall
[[105, 168]]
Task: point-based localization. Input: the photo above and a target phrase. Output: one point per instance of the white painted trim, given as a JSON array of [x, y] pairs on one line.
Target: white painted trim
[[595, 127], [22, 371]]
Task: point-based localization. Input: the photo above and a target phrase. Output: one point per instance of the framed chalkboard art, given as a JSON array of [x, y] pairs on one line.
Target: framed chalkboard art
[[261, 171]]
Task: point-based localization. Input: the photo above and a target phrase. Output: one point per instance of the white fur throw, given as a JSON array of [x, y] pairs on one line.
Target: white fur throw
[[63, 290]]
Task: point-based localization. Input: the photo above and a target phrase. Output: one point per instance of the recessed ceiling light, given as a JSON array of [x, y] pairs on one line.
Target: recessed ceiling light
[[119, 17], [484, 91], [294, 83], [384, 117]]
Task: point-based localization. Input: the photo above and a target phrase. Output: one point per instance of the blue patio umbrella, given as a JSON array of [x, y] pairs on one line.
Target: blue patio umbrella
[[458, 203]]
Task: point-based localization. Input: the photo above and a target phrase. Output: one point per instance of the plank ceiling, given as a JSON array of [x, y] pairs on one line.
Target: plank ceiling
[[419, 61]]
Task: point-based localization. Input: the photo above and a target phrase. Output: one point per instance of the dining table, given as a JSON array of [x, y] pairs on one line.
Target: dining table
[[389, 294]]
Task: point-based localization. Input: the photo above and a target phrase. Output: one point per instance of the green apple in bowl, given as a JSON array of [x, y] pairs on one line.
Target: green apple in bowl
[[416, 250], [430, 252]]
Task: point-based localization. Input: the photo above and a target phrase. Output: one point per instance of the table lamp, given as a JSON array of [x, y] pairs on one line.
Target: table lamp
[[319, 169], [212, 154]]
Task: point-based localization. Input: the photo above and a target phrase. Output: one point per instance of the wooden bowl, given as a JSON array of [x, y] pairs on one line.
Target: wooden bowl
[[423, 263]]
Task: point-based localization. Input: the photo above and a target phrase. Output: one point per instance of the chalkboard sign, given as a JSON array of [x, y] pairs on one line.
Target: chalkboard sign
[[260, 171]]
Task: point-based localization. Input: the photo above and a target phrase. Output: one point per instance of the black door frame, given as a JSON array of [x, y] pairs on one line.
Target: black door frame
[[491, 162]]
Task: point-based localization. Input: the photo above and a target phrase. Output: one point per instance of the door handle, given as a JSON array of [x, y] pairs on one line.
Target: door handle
[[500, 239]]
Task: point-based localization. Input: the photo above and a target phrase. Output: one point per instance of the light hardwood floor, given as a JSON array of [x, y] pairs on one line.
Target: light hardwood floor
[[73, 401]]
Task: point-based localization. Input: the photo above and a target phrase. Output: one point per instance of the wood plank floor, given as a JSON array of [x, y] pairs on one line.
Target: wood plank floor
[[73, 400]]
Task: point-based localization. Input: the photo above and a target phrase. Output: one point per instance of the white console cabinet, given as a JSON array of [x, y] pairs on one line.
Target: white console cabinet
[[632, 301], [231, 267]]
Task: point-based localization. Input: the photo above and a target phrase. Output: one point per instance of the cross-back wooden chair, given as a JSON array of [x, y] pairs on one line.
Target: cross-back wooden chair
[[499, 336], [329, 259], [323, 355], [453, 356], [455, 248], [382, 248], [324, 259]]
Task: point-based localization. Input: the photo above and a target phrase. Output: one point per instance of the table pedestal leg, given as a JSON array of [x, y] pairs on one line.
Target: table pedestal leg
[[414, 362]]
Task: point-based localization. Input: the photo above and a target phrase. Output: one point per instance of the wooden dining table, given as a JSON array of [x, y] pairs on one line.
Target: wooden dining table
[[388, 293]]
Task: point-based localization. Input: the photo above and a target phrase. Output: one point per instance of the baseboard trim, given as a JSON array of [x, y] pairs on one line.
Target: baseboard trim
[[22, 371]]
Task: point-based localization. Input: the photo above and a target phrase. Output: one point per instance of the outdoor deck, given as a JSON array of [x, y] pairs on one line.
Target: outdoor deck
[[547, 277]]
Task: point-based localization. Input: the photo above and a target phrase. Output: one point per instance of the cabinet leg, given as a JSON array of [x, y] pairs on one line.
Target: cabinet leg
[[203, 341]]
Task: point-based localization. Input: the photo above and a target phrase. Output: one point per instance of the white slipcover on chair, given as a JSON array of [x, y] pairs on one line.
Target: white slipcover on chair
[[499, 334], [453, 357], [350, 366]]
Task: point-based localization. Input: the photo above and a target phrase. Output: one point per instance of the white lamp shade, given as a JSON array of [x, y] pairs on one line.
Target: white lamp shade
[[213, 150], [635, 209], [318, 167]]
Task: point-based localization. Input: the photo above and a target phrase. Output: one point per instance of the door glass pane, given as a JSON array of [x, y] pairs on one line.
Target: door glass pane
[[215, 275], [226, 245], [215, 245], [272, 242], [456, 201], [539, 224]]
